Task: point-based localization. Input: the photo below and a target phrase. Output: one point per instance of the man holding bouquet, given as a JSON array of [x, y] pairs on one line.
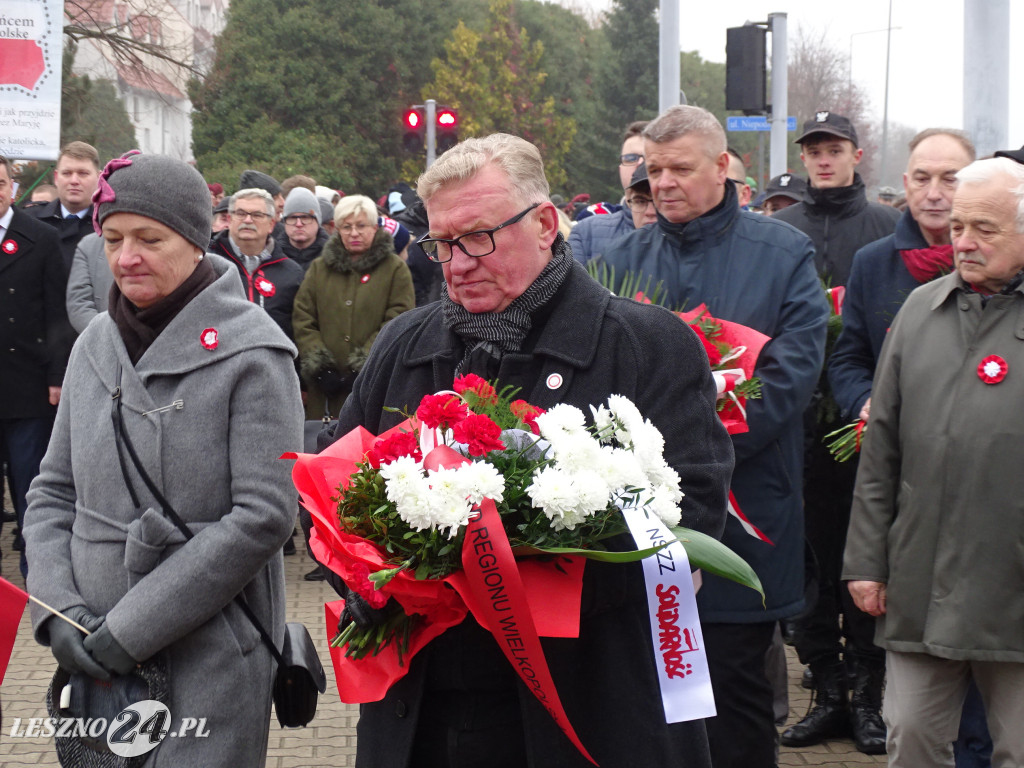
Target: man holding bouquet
[[519, 311]]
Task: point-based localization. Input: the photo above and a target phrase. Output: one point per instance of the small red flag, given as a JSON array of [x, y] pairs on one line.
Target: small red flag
[[12, 606]]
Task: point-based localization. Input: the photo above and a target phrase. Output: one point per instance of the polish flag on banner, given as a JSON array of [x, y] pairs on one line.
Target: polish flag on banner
[[12, 606]]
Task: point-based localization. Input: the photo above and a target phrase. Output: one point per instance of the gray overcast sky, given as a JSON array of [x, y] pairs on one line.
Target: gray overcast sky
[[925, 80]]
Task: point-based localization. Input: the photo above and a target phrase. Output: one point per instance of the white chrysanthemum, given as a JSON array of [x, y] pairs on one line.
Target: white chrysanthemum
[[626, 420], [561, 420], [648, 444], [450, 510], [567, 499], [592, 492], [479, 480], [552, 491], [416, 511], [401, 469], [444, 481], [603, 423], [662, 475], [576, 452], [621, 469], [403, 479], [665, 507]]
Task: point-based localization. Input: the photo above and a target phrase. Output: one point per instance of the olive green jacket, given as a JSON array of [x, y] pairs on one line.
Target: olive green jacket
[[341, 306], [938, 512]]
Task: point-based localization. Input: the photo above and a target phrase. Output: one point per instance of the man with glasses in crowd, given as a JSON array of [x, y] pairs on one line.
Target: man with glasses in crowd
[[591, 236], [269, 278], [518, 310], [304, 237]]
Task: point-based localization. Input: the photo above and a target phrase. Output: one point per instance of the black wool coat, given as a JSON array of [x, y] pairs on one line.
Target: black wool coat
[[586, 345], [35, 337], [68, 232]]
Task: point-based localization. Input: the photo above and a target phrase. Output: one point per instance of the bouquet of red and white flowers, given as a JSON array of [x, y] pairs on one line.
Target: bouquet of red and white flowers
[[478, 492]]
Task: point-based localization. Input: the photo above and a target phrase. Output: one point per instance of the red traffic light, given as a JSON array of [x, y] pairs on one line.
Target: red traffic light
[[413, 119], [447, 118]]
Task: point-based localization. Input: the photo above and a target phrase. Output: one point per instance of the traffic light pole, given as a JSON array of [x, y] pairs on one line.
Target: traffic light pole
[[780, 99], [431, 106]]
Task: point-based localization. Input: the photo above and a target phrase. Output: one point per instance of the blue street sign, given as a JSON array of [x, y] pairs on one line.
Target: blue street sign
[[740, 123]]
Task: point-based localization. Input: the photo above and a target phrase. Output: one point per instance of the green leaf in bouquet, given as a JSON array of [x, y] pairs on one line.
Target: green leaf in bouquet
[[593, 554], [713, 556]]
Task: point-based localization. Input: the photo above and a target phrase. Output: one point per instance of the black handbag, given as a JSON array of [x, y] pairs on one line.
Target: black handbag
[[300, 675]]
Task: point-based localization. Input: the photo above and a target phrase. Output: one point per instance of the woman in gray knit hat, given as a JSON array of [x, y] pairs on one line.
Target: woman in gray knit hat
[[203, 400]]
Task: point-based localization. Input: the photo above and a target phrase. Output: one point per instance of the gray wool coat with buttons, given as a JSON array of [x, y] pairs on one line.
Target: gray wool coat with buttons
[[216, 460]]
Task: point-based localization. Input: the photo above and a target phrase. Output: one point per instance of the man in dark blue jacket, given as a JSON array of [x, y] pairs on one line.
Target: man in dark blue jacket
[[758, 272], [590, 236]]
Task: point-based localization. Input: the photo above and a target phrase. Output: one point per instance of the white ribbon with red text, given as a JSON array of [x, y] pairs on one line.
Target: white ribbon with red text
[[675, 626]]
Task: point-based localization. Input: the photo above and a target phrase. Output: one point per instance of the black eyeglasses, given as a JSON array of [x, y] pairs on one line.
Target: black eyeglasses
[[300, 218], [639, 203], [631, 158], [254, 215], [476, 244]]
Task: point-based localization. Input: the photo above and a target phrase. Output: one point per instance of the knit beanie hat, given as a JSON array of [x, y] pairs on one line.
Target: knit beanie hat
[[301, 200], [164, 189], [254, 179], [326, 210]]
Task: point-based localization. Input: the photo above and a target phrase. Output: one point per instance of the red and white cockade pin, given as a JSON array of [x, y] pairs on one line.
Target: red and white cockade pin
[[265, 287], [992, 369], [364, 279], [208, 338], [9, 247]]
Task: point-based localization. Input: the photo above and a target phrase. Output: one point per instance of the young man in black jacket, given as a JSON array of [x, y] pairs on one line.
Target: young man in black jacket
[[837, 216]]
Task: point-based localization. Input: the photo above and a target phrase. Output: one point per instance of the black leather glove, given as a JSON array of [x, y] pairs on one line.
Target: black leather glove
[[67, 643], [361, 612], [333, 383], [108, 652]]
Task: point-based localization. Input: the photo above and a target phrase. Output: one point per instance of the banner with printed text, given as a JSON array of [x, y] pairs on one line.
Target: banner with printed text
[[31, 34]]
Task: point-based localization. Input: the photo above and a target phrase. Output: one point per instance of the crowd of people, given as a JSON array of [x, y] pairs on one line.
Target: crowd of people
[[167, 341]]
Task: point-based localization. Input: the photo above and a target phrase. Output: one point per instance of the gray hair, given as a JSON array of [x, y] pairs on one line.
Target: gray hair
[[253, 193], [683, 120], [984, 171], [519, 159], [352, 205]]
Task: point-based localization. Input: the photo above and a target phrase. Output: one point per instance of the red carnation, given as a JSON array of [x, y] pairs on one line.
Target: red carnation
[[480, 433], [366, 588], [390, 448], [526, 413], [478, 386], [438, 410]]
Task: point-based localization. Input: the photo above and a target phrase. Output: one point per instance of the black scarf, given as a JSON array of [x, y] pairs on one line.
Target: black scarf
[[139, 328], [495, 333]]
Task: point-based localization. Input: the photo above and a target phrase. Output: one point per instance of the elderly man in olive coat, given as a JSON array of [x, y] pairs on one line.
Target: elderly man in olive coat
[[934, 548]]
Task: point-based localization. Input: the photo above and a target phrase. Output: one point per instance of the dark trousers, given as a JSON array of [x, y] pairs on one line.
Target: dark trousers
[[742, 734], [828, 496], [25, 441]]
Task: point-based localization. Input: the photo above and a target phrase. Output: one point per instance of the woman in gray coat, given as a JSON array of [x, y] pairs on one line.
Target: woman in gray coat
[[207, 392]]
